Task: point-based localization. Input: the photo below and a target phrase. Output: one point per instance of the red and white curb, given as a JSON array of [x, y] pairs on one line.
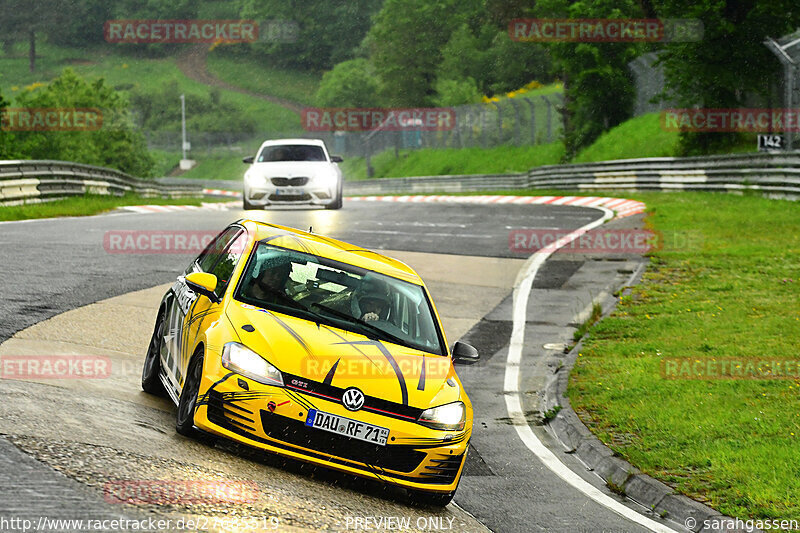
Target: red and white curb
[[221, 192], [622, 207], [210, 206]]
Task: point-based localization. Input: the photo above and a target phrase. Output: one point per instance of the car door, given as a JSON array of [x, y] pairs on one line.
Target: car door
[[180, 309]]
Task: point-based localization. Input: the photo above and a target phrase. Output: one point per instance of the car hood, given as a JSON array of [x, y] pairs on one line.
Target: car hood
[[303, 350], [291, 169]]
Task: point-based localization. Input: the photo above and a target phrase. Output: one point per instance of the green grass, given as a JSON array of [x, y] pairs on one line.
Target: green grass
[[639, 137], [87, 205], [733, 292], [165, 161], [218, 168], [125, 72], [436, 162], [260, 78]]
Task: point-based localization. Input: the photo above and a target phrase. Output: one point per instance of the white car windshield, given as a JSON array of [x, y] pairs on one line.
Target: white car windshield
[[342, 295], [291, 152]]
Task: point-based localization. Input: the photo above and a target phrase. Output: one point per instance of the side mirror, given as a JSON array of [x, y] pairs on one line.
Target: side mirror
[[203, 284], [465, 354], [336, 159], [249, 160]]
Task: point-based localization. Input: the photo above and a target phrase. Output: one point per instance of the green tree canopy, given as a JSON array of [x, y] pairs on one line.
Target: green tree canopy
[[730, 65], [350, 84], [598, 86], [117, 144]]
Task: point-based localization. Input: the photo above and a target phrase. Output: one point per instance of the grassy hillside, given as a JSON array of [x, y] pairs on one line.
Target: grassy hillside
[[638, 137], [127, 72], [435, 162], [251, 75]]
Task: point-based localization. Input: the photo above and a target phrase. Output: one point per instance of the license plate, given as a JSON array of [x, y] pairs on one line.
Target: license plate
[[347, 427], [286, 191]]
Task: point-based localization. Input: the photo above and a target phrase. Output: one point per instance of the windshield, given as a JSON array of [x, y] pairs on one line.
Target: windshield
[[291, 152], [342, 295]]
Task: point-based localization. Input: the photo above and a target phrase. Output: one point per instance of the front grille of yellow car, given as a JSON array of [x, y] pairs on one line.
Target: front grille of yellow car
[[443, 470], [371, 403], [397, 458], [297, 181]]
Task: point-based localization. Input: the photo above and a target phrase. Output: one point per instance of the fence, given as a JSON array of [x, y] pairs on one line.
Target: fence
[[513, 121], [37, 181], [775, 175]]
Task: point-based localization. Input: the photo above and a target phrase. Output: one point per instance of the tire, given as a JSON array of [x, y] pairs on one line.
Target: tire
[[151, 370], [247, 205], [430, 499], [336, 204], [184, 423]]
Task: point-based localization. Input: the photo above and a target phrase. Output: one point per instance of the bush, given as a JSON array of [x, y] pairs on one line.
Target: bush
[[350, 84], [117, 144], [161, 111]]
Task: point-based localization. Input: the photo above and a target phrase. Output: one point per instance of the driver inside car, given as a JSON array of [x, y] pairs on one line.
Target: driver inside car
[[270, 286], [371, 301]]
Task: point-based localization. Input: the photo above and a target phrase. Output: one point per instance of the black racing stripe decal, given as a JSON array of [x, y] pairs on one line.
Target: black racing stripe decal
[[329, 377], [400, 379], [421, 384], [300, 400], [204, 398]]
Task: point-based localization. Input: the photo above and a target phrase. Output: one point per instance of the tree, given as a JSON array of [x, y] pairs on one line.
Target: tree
[[598, 87], [22, 19], [350, 84], [456, 92], [117, 144], [405, 44], [6, 138], [730, 64], [329, 31]]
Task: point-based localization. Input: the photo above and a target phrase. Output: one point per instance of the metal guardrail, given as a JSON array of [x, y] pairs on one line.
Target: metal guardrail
[[37, 181], [772, 174]]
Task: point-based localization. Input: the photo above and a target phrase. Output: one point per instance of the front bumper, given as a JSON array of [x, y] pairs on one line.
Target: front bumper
[[308, 195], [414, 457]]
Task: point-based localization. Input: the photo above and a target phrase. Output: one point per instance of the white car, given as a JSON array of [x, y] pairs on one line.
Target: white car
[[291, 172]]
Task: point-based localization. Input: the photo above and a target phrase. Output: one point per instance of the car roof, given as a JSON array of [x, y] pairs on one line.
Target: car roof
[[315, 244], [312, 142]]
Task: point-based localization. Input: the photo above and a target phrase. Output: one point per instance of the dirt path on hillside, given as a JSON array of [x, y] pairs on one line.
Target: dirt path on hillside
[[192, 63]]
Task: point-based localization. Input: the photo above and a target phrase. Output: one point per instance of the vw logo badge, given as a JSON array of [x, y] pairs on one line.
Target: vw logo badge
[[353, 399]]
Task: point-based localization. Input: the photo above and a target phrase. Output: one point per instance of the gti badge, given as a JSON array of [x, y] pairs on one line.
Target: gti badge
[[353, 399]]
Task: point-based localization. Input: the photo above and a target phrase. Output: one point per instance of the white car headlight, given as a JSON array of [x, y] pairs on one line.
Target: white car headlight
[[450, 417], [254, 179], [244, 361], [327, 177]]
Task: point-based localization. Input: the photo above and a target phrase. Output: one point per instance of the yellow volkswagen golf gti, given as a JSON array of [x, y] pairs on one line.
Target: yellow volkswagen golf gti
[[318, 350]]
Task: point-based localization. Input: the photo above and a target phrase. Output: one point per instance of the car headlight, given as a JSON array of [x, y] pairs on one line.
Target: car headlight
[[244, 361], [254, 179], [327, 178], [450, 417]]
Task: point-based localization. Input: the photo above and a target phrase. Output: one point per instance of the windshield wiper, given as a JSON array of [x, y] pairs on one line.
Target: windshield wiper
[[378, 332]]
